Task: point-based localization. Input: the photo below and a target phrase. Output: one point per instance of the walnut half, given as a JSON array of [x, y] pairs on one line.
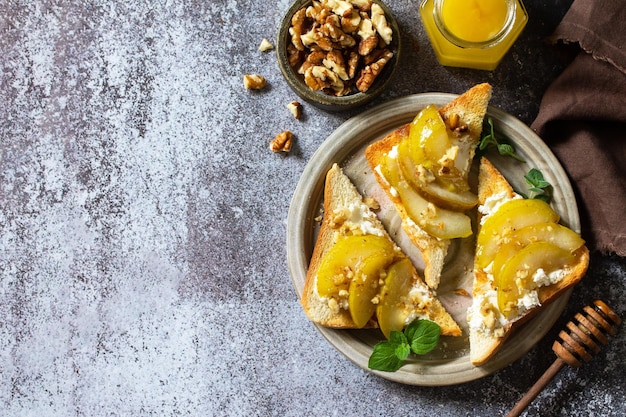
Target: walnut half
[[371, 71], [254, 81], [282, 142], [295, 108]]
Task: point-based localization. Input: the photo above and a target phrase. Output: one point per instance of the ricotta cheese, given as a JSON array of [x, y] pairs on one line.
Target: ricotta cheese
[[528, 301], [543, 279], [360, 217], [483, 315], [417, 304]]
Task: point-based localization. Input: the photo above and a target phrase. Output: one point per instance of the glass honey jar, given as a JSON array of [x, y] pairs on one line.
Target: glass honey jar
[[472, 33]]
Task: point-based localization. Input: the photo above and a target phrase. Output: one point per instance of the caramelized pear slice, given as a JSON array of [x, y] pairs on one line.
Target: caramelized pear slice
[[510, 216], [348, 257], [428, 136], [450, 191], [390, 312], [550, 232], [364, 287], [420, 158], [516, 276], [436, 221]]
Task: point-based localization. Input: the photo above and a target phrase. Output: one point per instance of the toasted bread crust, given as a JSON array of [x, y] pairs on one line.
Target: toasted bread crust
[[491, 182], [335, 194], [340, 192], [483, 346], [471, 108]]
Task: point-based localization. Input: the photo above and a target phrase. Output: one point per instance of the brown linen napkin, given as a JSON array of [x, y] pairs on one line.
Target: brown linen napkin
[[582, 118]]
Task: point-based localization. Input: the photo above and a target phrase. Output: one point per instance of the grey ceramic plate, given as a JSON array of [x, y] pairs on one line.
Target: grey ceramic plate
[[449, 363]]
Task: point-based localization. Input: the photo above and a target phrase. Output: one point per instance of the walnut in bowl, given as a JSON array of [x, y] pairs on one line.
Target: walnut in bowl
[[338, 54]]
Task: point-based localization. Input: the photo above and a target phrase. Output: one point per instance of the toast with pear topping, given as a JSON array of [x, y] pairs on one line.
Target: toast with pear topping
[[358, 277], [423, 168], [524, 260]]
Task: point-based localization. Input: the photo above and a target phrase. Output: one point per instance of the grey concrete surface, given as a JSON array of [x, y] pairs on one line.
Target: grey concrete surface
[[143, 268]]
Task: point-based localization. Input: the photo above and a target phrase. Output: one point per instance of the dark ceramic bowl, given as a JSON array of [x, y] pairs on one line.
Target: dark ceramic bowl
[[319, 98]]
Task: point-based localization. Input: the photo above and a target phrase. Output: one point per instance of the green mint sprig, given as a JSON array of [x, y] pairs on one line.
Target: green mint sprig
[[419, 337], [539, 187], [490, 140]]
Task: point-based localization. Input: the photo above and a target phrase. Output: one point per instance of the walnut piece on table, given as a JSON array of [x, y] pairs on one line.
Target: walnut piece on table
[[254, 81], [295, 108], [282, 142], [266, 45]]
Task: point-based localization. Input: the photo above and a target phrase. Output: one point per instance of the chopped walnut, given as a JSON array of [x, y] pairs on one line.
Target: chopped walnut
[[453, 121], [313, 59], [366, 28], [344, 278], [282, 142], [425, 174], [340, 7], [294, 56], [449, 158], [317, 37], [254, 81], [489, 319], [374, 56], [329, 21], [334, 61], [295, 108], [350, 24], [336, 34], [337, 218], [349, 38], [367, 45], [265, 45], [314, 10], [460, 130], [370, 72], [296, 29], [380, 23], [362, 5], [353, 63], [320, 78], [333, 305]]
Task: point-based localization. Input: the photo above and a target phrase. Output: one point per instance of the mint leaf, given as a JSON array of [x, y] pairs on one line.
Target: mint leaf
[[384, 357], [508, 150], [403, 351], [419, 337], [539, 187], [535, 178], [489, 140], [423, 336], [397, 338]]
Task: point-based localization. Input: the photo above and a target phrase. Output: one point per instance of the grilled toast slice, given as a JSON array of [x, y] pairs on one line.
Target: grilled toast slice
[[348, 216], [507, 234], [464, 118]]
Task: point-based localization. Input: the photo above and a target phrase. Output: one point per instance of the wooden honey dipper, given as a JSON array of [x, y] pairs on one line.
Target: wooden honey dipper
[[587, 333]]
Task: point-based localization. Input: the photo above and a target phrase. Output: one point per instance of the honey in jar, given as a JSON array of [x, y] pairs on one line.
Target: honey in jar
[[472, 33]]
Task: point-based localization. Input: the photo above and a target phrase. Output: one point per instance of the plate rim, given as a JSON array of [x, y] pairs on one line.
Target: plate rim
[[338, 147]]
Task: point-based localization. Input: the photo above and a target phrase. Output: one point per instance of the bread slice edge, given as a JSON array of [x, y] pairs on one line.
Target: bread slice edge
[[484, 346]]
